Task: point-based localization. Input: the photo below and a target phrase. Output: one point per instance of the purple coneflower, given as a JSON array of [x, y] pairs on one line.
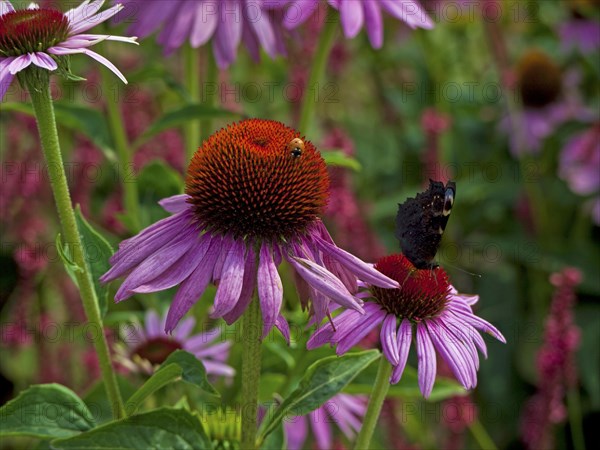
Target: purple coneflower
[[41, 36], [344, 410], [426, 301], [253, 195], [580, 166], [549, 98], [147, 347], [226, 22], [581, 30], [356, 13]]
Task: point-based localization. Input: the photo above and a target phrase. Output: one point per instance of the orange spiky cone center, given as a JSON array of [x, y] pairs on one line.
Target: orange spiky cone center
[[257, 179]]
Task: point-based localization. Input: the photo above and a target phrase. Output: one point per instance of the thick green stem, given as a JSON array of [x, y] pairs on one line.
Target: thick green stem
[[309, 102], [210, 101], [251, 336], [125, 154], [380, 389], [192, 83], [44, 113], [481, 435]]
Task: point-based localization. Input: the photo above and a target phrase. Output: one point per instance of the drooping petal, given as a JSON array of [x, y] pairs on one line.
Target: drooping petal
[[83, 11], [321, 428], [88, 20], [232, 277], [299, 12], [205, 23], [450, 354], [283, 327], [262, 28], [6, 78], [389, 339], [5, 7], [19, 63], [409, 11], [374, 23], [270, 289], [362, 270], [247, 288], [370, 320], [155, 265], [404, 340], [426, 361], [152, 324], [351, 13], [175, 203], [325, 282], [177, 28], [183, 330], [44, 61], [192, 288], [228, 34]]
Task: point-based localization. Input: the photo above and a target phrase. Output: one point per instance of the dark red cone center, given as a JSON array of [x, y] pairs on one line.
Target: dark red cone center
[[31, 30], [156, 350], [539, 79], [423, 293]]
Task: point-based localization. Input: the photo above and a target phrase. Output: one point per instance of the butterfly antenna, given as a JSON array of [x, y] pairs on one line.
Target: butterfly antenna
[[478, 275]]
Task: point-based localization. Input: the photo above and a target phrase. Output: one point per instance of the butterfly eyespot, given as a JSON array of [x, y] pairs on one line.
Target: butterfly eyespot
[[295, 147]]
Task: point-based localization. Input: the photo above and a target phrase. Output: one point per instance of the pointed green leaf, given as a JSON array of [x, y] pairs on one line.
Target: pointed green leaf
[[322, 381], [160, 428], [97, 251], [339, 158], [178, 364], [65, 256], [45, 411]]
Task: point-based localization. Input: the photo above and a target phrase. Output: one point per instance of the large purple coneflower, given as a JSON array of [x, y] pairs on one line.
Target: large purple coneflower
[[227, 23], [147, 347], [41, 36], [254, 192], [344, 410], [356, 13], [426, 301]]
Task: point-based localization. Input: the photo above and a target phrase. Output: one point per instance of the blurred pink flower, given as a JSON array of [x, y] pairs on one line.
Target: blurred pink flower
[[226, 22]]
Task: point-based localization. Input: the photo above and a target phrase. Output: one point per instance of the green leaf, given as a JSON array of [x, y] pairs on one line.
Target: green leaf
[[275, 440], [65, 255], [98, 402], [79, 118], [178, 364], [155, 182], [181, 116], [340, 159], [45, 411], [160, 428], [97, 251], [322, 380]]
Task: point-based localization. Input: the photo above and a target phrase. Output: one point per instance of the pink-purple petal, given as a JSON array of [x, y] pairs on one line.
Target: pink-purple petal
[[270, 289], [351, 13], [404, 340], [232, 277], [427, 364], [247, 293], [362, 328], [175, 203], [389, 339]]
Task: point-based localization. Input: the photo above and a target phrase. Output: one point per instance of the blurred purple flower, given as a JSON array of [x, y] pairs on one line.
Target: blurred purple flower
[[40, 36], [345, 411], [555, 363], [549, 98], [227, 22], [443, 318], [583, 34], [580, 166], [147, 347], [356, 13]]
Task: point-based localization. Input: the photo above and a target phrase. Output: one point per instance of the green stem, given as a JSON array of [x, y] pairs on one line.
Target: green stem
[[309, 103], [192, 83], [251, 335], [574, 408], [210, 100], [39, 90], [481, 435], [380, 389], [124, 154]]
